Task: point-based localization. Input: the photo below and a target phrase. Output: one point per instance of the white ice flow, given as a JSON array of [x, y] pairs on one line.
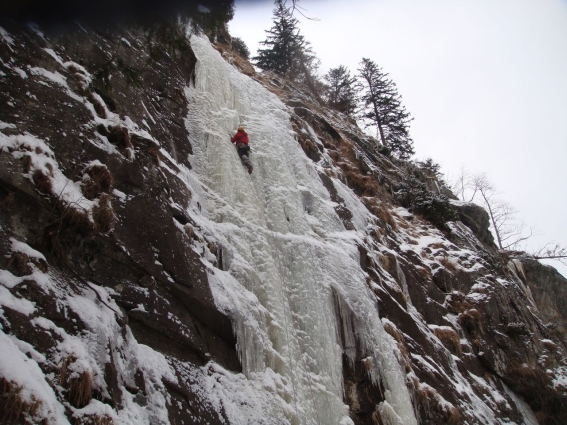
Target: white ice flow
[[289, 266]]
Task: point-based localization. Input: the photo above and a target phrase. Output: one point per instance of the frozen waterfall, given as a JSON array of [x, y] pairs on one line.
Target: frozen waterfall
[[286, 255]]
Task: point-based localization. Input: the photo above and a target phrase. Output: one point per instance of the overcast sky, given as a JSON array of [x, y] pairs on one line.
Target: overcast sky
[[485, 80]]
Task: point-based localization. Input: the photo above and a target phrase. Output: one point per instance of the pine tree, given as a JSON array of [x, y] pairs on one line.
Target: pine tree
[[342, 92], [383, 108], [287, 52], [240, 47]]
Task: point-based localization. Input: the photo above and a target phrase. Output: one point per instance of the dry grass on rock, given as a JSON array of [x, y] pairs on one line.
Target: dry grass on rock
[[14, 408], [393, 331], [156, 156], [42, 182], [450, 339], [18, 262], [434, 407], [93, 420], [97, 105], [382, 213], [97, 180], [79, 385], [120, 138], [79, 221], [470, 321], [362, 185], [103, 214]]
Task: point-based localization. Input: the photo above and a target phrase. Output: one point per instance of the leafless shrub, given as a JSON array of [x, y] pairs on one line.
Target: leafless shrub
[[79, 385], [510, 232], [53, 240], [541, 417], [551, 251], [550, 345]]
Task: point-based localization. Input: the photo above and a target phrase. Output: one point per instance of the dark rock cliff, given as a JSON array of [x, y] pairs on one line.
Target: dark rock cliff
[[92, 208], [75, 90]]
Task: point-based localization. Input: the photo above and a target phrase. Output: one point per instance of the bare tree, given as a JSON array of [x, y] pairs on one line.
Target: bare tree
[[510, 231], [461, 185], [551, 251], [296, 7]]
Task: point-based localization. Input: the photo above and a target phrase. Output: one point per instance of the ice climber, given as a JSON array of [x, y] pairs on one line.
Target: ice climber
[[240, 139]]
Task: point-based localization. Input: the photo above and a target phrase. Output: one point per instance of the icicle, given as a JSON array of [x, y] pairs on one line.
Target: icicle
[[344, 317], [403, 282], [389, 415]]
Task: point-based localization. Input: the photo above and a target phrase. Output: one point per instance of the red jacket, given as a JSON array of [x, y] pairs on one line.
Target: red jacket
[[240, 137]]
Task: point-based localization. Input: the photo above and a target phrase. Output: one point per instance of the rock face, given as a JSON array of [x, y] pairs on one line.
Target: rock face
[[476, 219], [548, 289], [81, 92], [111, 310]]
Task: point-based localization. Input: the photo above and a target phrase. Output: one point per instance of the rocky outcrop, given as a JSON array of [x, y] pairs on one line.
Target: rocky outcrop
[[549, 291], [476, 218]]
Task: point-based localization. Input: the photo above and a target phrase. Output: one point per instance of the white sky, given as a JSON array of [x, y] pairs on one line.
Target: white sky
[[485, 80]]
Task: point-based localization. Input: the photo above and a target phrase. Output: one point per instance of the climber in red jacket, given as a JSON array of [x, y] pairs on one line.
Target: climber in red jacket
[[240, 139]]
